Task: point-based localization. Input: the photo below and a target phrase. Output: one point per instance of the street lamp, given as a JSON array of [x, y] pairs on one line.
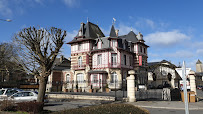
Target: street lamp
[[8, 20]]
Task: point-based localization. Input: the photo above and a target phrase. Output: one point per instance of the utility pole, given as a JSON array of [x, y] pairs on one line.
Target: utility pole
[[185, 88]]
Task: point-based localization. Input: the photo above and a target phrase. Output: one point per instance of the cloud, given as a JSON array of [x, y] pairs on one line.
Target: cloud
[[154, 60], [166, 38], [10, 7], [71, 35], [4, 9], [200, 52], [150, 23], [124, 29], [145, 23], [153, 55], [180, 54], [71, 3]]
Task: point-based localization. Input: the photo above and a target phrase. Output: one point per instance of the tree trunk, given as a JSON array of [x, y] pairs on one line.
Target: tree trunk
[[42, 89]]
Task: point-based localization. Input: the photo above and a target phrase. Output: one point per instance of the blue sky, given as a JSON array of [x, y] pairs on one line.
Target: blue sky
[[172, 28]]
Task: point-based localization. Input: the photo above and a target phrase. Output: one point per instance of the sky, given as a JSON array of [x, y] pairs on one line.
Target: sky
[[172, 28]]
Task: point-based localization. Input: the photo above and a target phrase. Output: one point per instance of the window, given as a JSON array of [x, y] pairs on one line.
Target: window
[[80, 61], [80, 77], [130, 60], [113, 43], [99, 59], [68, 78], [124, 59], [124, 47], [79, 46], [114, 77], [113, 58], [144, 50], [95, 79], [141, 49], [99, 45]]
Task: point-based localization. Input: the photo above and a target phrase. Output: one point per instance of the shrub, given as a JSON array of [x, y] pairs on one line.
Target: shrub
[[7, 105], [31, 106], [106, 109]]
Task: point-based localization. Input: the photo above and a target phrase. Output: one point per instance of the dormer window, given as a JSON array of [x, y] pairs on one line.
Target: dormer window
[[99, 45], [113, 43]]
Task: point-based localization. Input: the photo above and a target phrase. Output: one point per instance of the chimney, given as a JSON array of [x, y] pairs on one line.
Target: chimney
[[117, 32]]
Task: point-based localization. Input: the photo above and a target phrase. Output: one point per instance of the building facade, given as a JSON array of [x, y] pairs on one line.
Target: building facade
[[98, 61], [199, 74], [163, 75]]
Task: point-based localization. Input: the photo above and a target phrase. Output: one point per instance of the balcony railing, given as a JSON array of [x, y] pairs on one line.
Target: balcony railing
[[78, 67]]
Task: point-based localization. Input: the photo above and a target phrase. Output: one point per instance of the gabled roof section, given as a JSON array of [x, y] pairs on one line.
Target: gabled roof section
[[112, 32], [131, 36], [93, 31], [87, 31], [198, 62]]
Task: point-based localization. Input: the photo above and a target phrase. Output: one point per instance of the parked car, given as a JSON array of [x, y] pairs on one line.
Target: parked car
[[200, 87], [6, 92], [24, 96]]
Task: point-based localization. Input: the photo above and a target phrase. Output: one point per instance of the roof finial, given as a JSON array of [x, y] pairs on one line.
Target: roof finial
[[87, 19], [114, 21], [131, 29]]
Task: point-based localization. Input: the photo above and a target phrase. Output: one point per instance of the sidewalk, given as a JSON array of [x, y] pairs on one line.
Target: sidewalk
[[168, 105]]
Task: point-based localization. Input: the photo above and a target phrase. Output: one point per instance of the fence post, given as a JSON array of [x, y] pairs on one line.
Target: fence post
[[131, 86]]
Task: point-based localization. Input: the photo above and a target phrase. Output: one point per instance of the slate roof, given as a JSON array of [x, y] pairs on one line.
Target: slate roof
[[112, 32], [60, 65], [131, 36], [198, 62], [163, 61], [89, 31]]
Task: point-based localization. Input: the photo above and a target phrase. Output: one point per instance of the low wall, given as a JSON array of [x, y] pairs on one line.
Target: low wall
[[66, 96]]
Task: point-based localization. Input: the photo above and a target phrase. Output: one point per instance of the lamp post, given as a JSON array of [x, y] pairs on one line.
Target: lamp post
[[8, 20]]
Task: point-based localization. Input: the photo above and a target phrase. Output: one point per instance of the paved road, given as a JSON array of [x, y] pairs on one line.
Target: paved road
[[172, 111]]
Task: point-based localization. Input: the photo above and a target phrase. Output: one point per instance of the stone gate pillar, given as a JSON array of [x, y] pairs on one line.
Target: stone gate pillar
[[192, 81], [131, 86]]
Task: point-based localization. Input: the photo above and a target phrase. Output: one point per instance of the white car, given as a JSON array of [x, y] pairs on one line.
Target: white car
[[6, 92], [24, 96]]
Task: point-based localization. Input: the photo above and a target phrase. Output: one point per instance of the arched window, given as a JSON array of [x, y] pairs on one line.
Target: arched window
[[68, 78], [114, 77], [80, 78], [80, 61]]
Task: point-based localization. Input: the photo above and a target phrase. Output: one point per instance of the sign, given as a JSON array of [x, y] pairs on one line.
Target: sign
[[179, 71], [140, 60]]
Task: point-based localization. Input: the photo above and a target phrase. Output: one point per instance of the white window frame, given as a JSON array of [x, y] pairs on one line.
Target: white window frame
[[114, 77], [99, 59], [113, 58], [67, 78], [80, 61], [80, 78], [114, 43]]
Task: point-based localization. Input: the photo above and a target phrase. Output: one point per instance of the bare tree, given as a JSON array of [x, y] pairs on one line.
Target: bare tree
[[38, 49]]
